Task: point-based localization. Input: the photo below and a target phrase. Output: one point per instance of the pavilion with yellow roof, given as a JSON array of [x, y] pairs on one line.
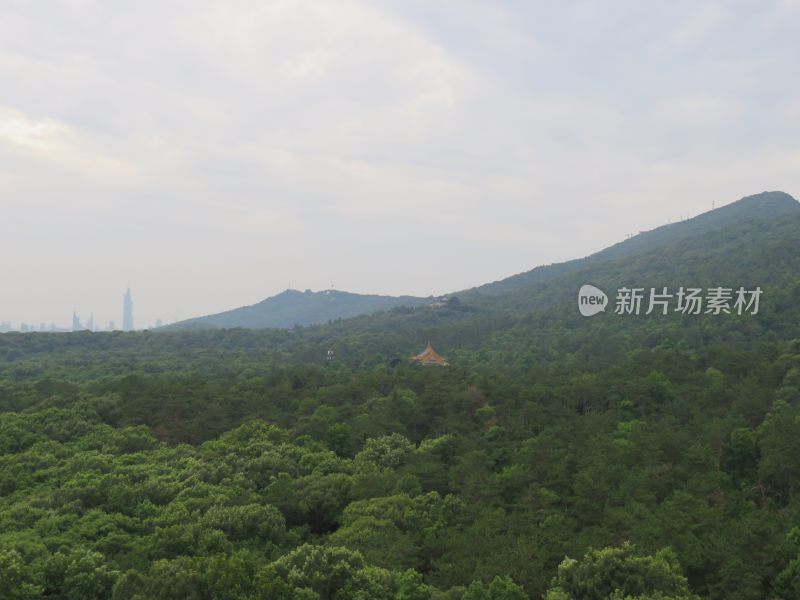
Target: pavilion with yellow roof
[[429, 356]]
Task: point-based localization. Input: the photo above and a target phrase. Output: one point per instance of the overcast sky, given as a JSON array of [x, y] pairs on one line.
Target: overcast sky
[[210, 154]]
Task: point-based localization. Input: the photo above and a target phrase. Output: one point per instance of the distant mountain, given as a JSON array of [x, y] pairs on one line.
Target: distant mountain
[[750, 242], [292, 307]]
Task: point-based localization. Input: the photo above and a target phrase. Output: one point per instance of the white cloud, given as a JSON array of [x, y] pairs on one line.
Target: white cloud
[[17, 128], [53, 147]]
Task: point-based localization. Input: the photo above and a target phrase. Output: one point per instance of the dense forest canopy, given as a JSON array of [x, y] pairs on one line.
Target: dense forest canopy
[[558, 457]]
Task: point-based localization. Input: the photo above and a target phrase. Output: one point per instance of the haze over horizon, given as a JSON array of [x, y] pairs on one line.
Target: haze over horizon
[[209, 156]]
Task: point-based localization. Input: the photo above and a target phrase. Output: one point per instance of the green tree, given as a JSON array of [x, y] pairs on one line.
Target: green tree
[[80, 575], [17, 579], [779, 444], [322, 569], [615, 573], [500, 588]]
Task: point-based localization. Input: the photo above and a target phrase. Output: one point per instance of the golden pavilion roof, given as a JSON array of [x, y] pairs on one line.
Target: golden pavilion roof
[[429, 356]]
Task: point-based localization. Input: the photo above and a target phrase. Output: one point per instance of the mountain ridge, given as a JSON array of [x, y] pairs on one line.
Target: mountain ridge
[[779, 203], [293, 307]]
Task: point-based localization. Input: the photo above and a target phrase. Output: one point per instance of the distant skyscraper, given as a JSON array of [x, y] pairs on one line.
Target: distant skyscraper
[[76, 322], [127, 312], [159, 322], [112, 325], [90, 322]]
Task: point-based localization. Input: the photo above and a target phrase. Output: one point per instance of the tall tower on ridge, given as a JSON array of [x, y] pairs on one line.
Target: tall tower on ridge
[[127, 312]]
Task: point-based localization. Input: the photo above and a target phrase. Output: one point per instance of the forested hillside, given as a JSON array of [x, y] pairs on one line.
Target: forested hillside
[[559, 457]]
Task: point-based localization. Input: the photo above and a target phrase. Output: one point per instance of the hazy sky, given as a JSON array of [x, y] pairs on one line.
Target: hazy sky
[[210, 154]]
